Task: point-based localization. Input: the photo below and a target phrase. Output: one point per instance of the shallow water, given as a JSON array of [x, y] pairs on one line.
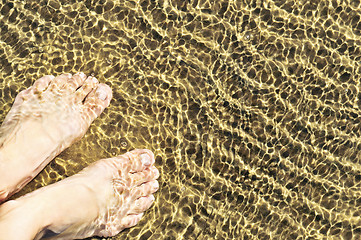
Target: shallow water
[[251, 107]]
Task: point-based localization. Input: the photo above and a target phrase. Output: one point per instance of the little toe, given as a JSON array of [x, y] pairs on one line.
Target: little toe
[[58, 82], [42, 84], [21, 97], [97, 100], [141, 204], [89, 84], [140, 159], [75, 82], [131, 220], [147, 175], [39, 86]]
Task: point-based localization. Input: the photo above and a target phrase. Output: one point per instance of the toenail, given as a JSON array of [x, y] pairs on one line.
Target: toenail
[[156, 172], [156, 185], [145, 159], [94, 80], [81, 74], [101, 94]]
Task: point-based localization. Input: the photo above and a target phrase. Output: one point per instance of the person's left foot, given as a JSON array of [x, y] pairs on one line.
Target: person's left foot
[[44, 120]]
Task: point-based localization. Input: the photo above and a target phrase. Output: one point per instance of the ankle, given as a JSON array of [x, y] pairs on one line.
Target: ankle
[[15, 215]]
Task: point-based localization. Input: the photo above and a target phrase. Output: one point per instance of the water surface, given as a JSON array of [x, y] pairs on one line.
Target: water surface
[[251, 107]]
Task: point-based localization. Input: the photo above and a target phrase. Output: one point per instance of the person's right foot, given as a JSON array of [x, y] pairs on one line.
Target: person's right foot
[[44, 120], [101, 200]]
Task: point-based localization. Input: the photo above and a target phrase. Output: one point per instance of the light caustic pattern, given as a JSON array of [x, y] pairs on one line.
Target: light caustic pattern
[[251, 107]]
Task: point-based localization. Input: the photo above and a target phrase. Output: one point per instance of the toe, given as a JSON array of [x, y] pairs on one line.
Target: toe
[[147, 175], [58, 82], [140, 159], [75, 82], [39, 86], [131, 220], [141, 204], [21, 97], [89, 84], [145, 189], [42, 83], [95, 103]]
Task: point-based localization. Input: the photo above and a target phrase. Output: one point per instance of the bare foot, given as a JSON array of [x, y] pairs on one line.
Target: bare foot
[[101, 200], [44, 120]]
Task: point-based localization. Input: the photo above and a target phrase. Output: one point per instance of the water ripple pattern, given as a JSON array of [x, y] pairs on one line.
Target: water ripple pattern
[[251, 107]]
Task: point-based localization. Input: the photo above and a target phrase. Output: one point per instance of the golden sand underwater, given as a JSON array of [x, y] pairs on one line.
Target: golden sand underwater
[[251, 107]]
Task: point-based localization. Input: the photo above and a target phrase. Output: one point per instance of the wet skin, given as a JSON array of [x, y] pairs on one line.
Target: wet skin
[[44, 120], [106, 197]]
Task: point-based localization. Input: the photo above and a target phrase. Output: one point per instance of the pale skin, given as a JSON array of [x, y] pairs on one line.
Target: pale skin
[[101, 200]]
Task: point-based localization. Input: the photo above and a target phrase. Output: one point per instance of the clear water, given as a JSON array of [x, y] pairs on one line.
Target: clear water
[[251, 107]]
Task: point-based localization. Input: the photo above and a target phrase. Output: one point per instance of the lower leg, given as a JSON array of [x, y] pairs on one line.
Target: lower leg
[[42, 211], [17, 221]]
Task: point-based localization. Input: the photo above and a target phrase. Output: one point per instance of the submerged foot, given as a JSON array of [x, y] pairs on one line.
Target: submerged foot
[[102, 200], [44, 120]]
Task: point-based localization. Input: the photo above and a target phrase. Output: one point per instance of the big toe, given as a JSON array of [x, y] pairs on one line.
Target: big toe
[[95, 103], [140, 159]]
